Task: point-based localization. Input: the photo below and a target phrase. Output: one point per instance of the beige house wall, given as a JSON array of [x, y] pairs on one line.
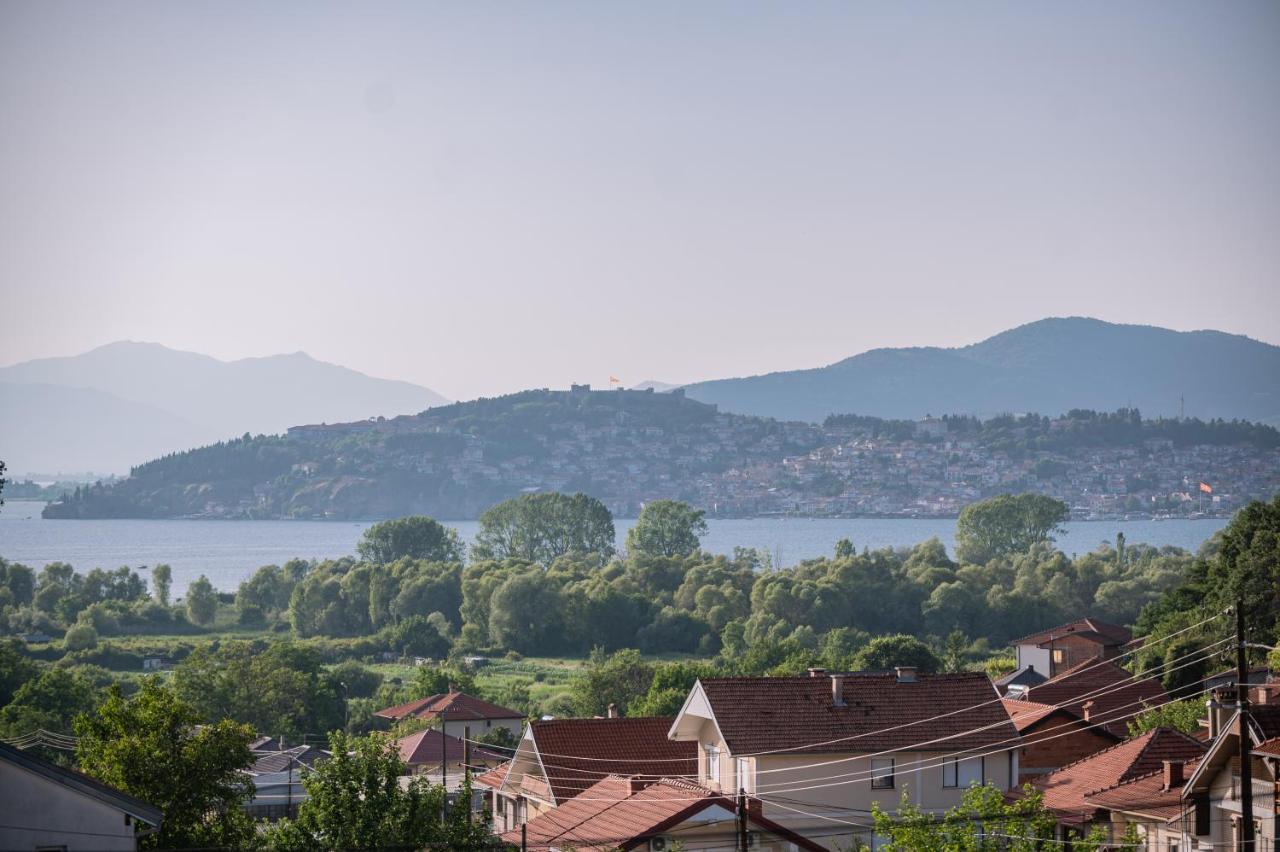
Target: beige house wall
[[36, 812]]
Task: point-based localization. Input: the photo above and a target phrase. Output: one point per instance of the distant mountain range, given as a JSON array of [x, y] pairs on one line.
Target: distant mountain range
[[124, 403], [1047, 366]]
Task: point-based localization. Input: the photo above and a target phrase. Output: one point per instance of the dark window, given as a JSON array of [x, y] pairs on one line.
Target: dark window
[[1202, 816]]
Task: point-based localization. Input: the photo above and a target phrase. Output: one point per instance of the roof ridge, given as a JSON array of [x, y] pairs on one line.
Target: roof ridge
[[1135, 779], [1100, 752]]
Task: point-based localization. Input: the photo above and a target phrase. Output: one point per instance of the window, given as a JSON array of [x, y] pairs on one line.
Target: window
[[713, 764], [743, 769], [882, 774], [957, 772], [1059, 656]]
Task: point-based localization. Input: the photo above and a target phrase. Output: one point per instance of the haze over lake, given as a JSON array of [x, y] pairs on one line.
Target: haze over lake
[[229, 551]]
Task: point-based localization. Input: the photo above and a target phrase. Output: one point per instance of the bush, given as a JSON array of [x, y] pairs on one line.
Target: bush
[[360, 682], [81, 637]]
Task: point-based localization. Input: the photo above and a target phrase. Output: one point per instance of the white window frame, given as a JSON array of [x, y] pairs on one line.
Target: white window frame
[[880, 779], [713, 763], [962, 772], [742, 768]]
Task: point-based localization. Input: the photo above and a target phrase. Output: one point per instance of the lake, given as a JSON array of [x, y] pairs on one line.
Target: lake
[[229, 551]]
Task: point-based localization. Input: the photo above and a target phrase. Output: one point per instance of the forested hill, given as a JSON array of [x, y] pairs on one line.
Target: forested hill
[[1047, 366], [455, 461], [628, 447]]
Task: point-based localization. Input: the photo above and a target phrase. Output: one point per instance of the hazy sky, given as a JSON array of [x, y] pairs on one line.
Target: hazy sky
[[481, 197]]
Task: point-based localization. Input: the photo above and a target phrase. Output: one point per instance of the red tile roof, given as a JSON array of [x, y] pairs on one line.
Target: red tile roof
[[494, 777], [1067, 790], [1024, 714], [617, 813], [577, 753], [451, 706], [1124, 697], [1145, 795], [1271, 746], [1096, 629], [879, 713], [426, 747]]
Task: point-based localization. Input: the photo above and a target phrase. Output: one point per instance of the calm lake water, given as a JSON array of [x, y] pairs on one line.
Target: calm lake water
[[229, 551]]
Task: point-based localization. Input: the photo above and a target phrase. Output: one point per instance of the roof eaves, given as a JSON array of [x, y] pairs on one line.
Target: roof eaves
[[83, 784]]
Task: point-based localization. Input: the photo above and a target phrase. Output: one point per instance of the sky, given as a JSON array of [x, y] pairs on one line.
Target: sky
[[481, 197]]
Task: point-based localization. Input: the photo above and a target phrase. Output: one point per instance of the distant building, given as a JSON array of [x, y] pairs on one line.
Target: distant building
[[456, 712], [1064, 647]]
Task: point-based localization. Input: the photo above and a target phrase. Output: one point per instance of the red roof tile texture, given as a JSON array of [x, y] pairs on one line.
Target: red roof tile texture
[[879, 713], [450, 706], [427, 746], [617, 813], [1146, 795], [1116, 697], [1066, 791], [494, 777], [1096, 629], [577, 753], [1024, 714]]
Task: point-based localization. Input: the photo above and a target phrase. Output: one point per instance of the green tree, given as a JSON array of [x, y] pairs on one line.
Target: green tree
[[1182, 715], [355, 801], [202, 602], [525, 614], [162, 583], [954, 651], [1020, 825], [619, 679], [543, 527], [887, 652], [1005, 525], [1248, 566], [15, 669], [153, 746], [667, 528], [278, 688], [81, 636], [51, 701], [844, 549], [415, 537]]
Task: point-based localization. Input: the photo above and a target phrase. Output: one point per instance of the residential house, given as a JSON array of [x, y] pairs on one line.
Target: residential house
[[44, 806], [557, 759], [456, 713], [1211, 794], [668, 813], [1057, 649], [1018, 681], [1052, 737], [277, 779], [1153, 803], [1067, 791], [437, 755], [817, 751], [1100, 692]]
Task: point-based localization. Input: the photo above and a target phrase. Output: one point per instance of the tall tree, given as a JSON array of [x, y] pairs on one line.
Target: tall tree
[[543, 527], [667, 528], [153, 746], [417, 537], [355, 801], [202, 601], [1007, 524], [162, 583]]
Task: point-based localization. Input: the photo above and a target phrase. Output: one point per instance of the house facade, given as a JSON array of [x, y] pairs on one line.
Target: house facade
[[1057, 649], [43, 806], [558, 759], [456, 713], [818, 751], [1053, 737]]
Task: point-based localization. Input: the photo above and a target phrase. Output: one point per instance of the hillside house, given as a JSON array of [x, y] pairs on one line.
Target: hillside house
[[1068, 791], [1053, 737], [557, 759], [43, 806], [277, 780], [1057, 649], [832, 744], [437, 755], [455, 713], [1099, 691]]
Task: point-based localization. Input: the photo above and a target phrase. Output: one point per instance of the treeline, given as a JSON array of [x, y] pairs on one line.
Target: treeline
[[1078, 428]]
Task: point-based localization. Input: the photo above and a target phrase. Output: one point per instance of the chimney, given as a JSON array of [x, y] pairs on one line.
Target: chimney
[[1264, 693], [613, 710], [452, 688], [1172, 774], [1221, 705], [1087, 708], [636, 783], [816, 671], [906, 674], [837, 690]]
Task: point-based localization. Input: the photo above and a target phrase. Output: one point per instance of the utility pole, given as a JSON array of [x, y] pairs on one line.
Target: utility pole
[[466, 766], [524, 837], [444, 770], [743, 843], [1242, 730]]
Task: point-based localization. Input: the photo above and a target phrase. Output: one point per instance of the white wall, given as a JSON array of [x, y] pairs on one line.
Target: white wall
[[35, 811], [1038, 657]]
